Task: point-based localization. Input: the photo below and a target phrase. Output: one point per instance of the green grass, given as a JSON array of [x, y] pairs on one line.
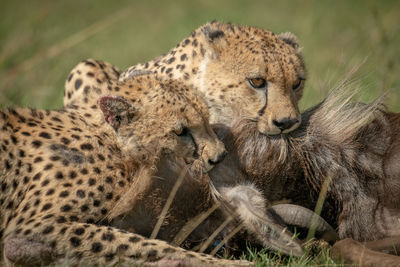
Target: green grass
[[265, 258], [42, 40]]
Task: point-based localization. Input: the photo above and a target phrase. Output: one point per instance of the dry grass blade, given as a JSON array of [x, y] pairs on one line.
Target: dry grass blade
[[226, 239], [73, 40], [168, 203], [192, 224], [205, 245], [318, 207]]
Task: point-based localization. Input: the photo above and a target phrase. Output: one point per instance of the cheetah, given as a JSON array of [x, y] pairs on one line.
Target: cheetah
[[64, 177], [239, 70], [102, 75]]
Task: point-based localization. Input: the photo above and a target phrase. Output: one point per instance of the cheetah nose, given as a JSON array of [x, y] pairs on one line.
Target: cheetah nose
[[219, 158], [285, 123]]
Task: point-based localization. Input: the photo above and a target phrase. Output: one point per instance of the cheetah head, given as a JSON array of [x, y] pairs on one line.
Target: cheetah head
[[162, 120], [253, 74]]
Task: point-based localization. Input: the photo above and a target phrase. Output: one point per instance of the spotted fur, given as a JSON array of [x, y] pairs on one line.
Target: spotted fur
[[220, 60], [64, 177]]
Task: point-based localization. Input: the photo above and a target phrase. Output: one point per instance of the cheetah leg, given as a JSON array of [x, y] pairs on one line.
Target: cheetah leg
[[89, 244], [24, 252]]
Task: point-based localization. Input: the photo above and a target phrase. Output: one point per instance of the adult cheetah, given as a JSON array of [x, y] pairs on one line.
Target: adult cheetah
[[239, 70], [63, 177]]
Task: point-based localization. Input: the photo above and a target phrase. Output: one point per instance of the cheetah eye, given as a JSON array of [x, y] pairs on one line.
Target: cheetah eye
[[182, 131], [298, 83], [257, 83]]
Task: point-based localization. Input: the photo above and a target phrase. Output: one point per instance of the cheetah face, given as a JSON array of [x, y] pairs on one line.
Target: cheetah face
[[191, 136], [259, 76], [156, 127], [192, 143]]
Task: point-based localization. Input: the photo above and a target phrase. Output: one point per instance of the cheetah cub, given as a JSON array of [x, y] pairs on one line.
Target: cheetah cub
[[62, 178]]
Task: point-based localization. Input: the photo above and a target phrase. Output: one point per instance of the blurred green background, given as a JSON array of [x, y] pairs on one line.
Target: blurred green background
[[42, 40]]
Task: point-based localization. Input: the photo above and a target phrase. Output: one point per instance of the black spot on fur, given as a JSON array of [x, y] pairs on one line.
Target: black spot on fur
[[80, 194], [46, 206], [54, 158], [64, 194], [59, 175], [65, 141], [97, 247], [78, 84], [75, 242], [170, 60], [50, 192], [14, 139], [79, 231], [38, 159], [48, 167], [49, 229], [66, 208], [72, 174], [86, 147], [37, 176], [63, 230], [169, 250], [7, 164], [134, 239], [89, 63], [212, 35], [45, 135], [36, 143], [109, 256], [108, 237], [84, 208]]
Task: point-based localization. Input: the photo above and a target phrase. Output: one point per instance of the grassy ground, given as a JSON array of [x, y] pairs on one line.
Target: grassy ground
[[41, 40]]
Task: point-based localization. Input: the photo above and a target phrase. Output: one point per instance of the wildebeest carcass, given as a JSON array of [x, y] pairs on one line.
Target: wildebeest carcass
[[353, 150]]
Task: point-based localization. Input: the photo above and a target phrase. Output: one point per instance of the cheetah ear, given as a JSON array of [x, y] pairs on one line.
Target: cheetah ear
[[214, 38], [117, 110], [291, 40]]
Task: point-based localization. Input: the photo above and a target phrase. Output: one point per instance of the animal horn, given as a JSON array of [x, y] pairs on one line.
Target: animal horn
[[300, 216]]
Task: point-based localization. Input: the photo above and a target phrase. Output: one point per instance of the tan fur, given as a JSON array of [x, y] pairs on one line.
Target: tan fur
[[62, 176], [101, 76], [218, 60], [167, 93]]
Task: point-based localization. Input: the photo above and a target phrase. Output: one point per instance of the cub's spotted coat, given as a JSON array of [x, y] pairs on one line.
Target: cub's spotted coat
[[63, 177]]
